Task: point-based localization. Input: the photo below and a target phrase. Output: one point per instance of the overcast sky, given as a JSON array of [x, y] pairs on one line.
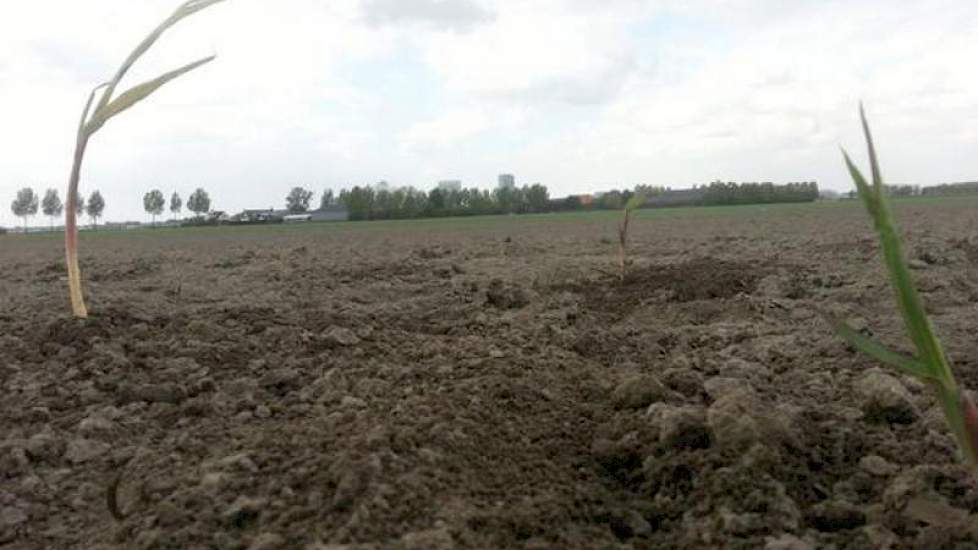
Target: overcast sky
[[580, 95]]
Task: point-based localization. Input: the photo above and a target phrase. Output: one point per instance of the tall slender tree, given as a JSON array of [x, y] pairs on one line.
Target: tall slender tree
[[199, 202], [25, 205], [51, 205], [154, 203], [176, 205], [95, 207]]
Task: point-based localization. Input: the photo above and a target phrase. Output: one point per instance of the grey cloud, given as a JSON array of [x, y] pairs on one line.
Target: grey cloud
[[455, 15], [596, 87]]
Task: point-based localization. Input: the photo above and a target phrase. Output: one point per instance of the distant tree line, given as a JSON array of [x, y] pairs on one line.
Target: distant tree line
[[903, 190], [381, 203], [27, 204], [716, 193], [722, 193], [611, 200], [941, 190], [963, 188], [895, 191]]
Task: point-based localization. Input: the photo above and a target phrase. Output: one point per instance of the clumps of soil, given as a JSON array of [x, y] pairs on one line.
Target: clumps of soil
[[968, 245], [235, 260], [433, 252], [697, 280], [504, 295], [51, 272], [368, 390], [136, 268]]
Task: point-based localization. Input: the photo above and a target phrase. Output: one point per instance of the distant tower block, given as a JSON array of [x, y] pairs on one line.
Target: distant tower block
[[507, 181]]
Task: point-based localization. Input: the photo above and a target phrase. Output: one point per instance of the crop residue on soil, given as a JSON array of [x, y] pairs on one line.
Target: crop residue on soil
[[492, 386]]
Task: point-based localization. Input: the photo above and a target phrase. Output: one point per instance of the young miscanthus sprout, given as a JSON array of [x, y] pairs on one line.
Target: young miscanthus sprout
[[636, 200], [929, 365], [106, 108]]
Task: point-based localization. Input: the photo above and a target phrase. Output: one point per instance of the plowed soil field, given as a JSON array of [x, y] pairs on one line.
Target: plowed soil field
[[484, 383]]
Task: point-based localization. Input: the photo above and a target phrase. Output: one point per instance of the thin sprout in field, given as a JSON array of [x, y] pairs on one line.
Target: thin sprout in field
[[929, 365], [107, 107], [636, 201]]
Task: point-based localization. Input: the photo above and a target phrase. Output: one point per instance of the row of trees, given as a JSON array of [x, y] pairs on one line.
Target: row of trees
[[944, 189], [370, 203], [962, 188], [199, 203], [716, 193], [381, 202], [612, 200], [720, 193], [299, 200], [26, 205], [940, 190]]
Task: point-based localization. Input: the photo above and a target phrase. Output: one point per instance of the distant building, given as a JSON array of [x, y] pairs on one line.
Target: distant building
[[450, 185], [255, 216], [507, 181], [382, 185], [121, 225], [332, 213]]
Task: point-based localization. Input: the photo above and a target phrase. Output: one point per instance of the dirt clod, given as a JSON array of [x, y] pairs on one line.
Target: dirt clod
[[885, 399], [629, 524], [341, 336], [835, 516], [639, 391], [681, 427], [82, 450], [506, 295], [243, 511]]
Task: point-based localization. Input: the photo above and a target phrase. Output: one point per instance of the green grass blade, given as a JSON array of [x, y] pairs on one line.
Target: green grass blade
[[865, 192], [909, 301], [874, 164], [881, 353], [138, 93], [931, 363]]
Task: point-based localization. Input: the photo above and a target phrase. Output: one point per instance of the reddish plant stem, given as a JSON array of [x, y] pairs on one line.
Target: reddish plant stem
[[71, 232]]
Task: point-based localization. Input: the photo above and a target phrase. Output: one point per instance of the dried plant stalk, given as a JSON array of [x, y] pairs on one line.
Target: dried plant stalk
[[636, 201], [107, 108]]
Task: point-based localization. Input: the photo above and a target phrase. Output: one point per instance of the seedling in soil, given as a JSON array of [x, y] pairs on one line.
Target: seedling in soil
[[106, 108], [637, 200], [929, 364]]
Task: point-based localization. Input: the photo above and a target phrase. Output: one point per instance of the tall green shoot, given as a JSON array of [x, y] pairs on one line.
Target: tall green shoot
[[929, 365], [636, 201], [105, 108]]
